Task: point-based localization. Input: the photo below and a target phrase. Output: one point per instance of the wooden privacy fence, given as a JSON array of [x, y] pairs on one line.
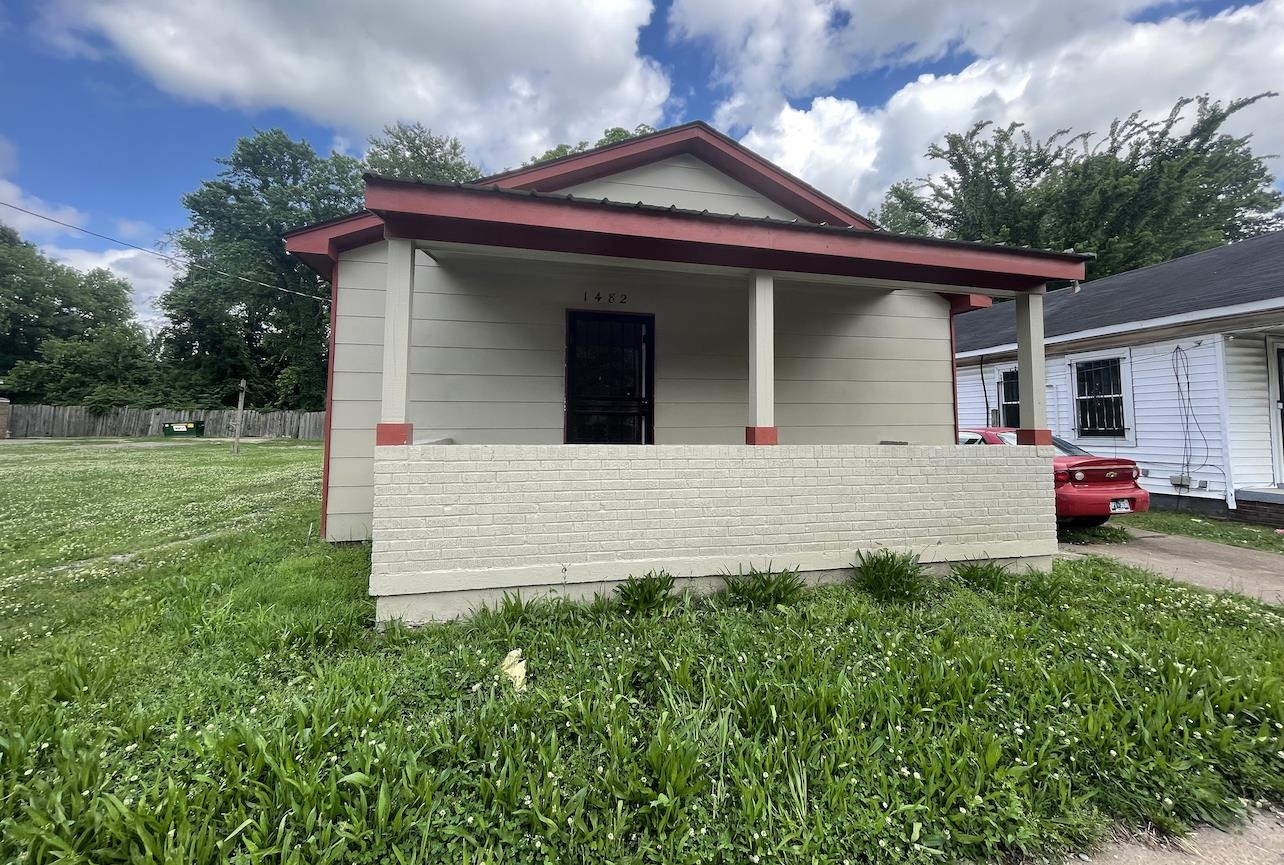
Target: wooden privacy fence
[[60, 421]]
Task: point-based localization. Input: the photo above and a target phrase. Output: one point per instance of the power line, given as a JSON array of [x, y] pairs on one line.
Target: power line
[[172, 259]]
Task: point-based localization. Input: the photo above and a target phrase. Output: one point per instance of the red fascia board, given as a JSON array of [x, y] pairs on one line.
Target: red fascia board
[[318, 246], [701, 141], [477, 216]]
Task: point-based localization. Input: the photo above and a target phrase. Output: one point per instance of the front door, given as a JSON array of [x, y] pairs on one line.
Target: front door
[[610, 376]]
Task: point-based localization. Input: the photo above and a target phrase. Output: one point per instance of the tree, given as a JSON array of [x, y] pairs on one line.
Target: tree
[[614, 135], [244, 308], [111, 366], [411, 151], [41, 299], [1145, 192]]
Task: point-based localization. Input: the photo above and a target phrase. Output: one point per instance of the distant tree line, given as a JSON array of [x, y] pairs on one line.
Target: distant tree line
[[1141, 193]]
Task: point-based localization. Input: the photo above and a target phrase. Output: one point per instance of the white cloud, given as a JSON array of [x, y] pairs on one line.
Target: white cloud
[[1082, 79], [510, 79], [132, 229], [29, 226], [149, 275]]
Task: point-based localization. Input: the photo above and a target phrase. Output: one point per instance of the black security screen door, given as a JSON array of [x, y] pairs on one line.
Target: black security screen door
[[609, 378]]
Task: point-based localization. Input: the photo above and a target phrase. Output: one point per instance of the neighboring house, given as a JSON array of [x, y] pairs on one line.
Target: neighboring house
[[1176, 366], [497, 346]]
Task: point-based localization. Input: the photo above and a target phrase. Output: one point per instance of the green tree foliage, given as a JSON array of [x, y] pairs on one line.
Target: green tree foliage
[[224, 326], [614, 135], [110, 366], [1145, 192], [41, 299], [413, 152], [244, 308]]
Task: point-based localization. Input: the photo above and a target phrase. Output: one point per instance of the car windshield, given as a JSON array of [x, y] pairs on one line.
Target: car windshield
[[1062, 446]]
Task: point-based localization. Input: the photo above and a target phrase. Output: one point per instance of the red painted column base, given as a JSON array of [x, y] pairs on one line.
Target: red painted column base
[[1034, 436], [762, 435], [394, 433]]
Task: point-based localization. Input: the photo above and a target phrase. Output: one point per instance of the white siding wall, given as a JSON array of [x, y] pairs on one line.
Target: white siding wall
[[682, 181], [460, 524], [1159, 439], [488, 353], [1249, 406]]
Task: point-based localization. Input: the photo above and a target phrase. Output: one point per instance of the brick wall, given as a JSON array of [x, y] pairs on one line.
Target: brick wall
[[487, 518]]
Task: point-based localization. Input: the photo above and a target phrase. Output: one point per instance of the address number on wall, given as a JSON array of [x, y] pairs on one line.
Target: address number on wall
[[612, 297]]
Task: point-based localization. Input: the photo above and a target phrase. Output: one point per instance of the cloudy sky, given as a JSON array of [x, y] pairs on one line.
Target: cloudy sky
[[112, 109]]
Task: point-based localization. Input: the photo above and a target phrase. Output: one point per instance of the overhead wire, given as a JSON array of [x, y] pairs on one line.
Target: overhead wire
[[172, 259]]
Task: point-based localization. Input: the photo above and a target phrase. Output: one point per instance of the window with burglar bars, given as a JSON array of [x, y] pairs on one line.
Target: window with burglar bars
[[1099, 398], [1010, 399]]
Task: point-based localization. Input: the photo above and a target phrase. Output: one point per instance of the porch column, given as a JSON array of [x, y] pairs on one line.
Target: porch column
[[762, 361], [394, 419], [1031, 376]]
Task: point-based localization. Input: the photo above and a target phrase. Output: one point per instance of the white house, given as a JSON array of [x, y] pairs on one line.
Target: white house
[[1176, 366], [665, 353]]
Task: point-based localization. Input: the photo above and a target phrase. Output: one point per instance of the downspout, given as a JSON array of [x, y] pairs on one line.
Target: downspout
[[1223, 426]]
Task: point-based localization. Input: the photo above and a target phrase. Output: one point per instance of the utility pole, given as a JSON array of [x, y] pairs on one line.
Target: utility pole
[[240, 413]]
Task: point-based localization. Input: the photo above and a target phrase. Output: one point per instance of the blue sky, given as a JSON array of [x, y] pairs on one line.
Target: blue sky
[[113, 109]]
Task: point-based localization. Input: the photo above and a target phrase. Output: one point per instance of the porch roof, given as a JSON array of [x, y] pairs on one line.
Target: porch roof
[[551, 222]]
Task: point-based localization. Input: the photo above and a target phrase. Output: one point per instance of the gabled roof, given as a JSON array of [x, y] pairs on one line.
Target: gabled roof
[[1250, 271], [697, 139]]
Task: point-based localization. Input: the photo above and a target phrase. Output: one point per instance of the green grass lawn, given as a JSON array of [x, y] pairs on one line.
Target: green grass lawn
[[224, 700], [1206, 528]]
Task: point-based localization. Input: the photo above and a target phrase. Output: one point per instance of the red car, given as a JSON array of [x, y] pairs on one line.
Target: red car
[[1090, 489]]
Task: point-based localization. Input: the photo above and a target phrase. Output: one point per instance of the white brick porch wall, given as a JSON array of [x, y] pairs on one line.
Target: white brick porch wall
[[458, 524]]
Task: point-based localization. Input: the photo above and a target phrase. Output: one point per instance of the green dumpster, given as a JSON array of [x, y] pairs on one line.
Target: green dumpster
[[184, 429]]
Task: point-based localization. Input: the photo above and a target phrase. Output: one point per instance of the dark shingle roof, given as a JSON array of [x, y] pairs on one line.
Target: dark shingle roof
[[1244, 272]]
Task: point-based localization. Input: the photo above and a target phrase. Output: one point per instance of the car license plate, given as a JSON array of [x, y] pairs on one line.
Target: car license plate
[[1120, 506]]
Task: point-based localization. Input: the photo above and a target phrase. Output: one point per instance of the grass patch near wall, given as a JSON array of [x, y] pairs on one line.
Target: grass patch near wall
[[1206, 528], [232, 705]]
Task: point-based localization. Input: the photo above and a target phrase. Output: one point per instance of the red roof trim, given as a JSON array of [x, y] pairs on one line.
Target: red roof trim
[[697, 139], [552, 223], [318, 246]]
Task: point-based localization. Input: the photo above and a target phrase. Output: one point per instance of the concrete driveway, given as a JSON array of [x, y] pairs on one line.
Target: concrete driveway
[[1208, 564]]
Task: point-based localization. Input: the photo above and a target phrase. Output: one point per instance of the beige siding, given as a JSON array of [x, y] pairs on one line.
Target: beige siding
[[354, 407], [862, 367], [488, 346], [682, 181]]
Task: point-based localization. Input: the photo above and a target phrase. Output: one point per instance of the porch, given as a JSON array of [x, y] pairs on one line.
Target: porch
[[539, 387]]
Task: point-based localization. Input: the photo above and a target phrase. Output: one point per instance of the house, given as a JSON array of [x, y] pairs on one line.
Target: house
[[664, 353], [1176, 366]]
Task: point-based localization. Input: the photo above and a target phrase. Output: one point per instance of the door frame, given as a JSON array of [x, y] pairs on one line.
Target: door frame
[[648, 366], [1274, 394]]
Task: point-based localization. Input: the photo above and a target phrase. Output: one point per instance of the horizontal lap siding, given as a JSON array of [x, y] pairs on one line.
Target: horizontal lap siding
[[862, 366], [1160, 439], [685, 182], [355, 391], [1248, 403]]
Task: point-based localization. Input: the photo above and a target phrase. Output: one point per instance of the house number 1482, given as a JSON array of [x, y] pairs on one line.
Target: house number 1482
[[610, 297]]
